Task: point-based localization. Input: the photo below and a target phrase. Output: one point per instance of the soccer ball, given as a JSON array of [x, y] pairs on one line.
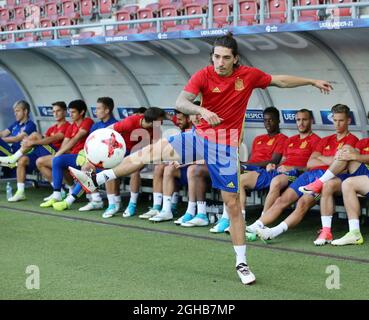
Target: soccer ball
[[105, 148]]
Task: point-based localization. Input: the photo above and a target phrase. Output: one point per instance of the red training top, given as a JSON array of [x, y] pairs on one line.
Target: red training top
[[264, 146], [73, 129], [363, 146], [53, 130], [228, 98]]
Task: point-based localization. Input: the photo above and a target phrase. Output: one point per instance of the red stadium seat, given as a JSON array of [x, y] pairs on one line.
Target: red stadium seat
[[87, 8], [132, 9], [220, 14], [194, 9], [11, 26], [20, 2], [145, 13], [123, 15], [46, 23], [65, 21], [29, 36], [308, 15], [277, 11], [154, 7], [4, 16], [52, 11], [10, 4], [19, 14], [106, 7], [165, 12], [70, 9], [341, 12], [247, 12]]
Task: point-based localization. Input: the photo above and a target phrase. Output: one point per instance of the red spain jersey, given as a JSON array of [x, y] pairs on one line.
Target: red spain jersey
[[363, 146], [264, 146], [228, 98], [73, 129], [328, 146], [53, 130], [126, 127], [297, 151]]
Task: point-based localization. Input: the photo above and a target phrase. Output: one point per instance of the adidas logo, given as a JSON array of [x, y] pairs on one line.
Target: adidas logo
[[216, 89], [230, 185]]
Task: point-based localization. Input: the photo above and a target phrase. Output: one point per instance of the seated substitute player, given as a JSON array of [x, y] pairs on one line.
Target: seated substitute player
[[226, 88], [356, 162], [10, 138], [319, 161], [73, 143], [183, 122], [35, 147], [104, 112], [296, 153]]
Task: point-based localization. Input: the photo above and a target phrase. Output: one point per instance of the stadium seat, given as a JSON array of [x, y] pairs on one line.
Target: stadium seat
[[194, 9], [85, 34], [19, 14], [123, 15], [21, 2], [308, 15], [29, 36], [145, 13], [106, 7], [52, 11], [46, 23], [70, 9], [11, 26], [165, 12], [247, 12], [11, 4], [276, 11], [65, 21], [4, 16], [154, 7], [341, 12], [132, 9], [220, 14], [87, 8]]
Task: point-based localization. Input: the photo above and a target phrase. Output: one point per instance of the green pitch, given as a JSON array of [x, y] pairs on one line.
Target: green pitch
[[82, 256]]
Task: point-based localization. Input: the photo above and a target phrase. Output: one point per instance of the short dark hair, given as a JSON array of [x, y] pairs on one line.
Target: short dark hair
[[79, 105], [229, 42], [107, 102], [60, 104], [154, 113], [341, 108], [141, 110], [24, 105], [273, 111], [309, 112]]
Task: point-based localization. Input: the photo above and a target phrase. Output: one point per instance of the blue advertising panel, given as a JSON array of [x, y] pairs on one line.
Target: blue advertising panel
[[254, 115], [125, 112], [289, 116], [45, 111], [93, 111], [327, 117]]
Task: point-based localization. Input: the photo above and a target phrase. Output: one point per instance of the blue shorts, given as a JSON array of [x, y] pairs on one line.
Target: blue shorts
[[183, 176], [304, 179], [221, 160], [363, 170], [38, 152], [5, 149], [265, 177]]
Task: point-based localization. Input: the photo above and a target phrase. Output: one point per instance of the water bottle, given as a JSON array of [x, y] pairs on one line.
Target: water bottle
[[9, 192]]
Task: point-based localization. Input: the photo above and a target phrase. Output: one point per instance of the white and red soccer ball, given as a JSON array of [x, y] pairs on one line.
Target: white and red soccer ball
[[105, 148]]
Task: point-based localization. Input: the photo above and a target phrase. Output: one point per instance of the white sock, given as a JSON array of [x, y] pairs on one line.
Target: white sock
[[278, 230], [20, 186], [158, 199], [262, 213], [134, 197], [95, 197], [240, 254], [70, 188], [105, 176], [175, 197], [243, 214], [17, 155], [225, 212], [111, 199], [57, 195], [354, 224], [69, 200], [89, 196], [191, 208], [328, 175], [255, 225], [326, 221], [201, 207], [167, 204], [118, 200]]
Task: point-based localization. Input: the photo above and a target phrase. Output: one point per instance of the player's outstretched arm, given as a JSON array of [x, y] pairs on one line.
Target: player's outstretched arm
[[285, 81]]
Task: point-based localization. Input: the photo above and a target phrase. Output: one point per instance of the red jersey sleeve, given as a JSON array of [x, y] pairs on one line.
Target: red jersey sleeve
[[63, 129], [285, 146], [69, 132], [321, 145], [49, 131], [260, 78], [195, 84], [86, 124], [352, 140], [123, 126]]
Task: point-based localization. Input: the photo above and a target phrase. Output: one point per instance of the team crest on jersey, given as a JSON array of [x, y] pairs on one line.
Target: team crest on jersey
[[303, 145], [290, 145], [327, 148], [216, 90], [259, 142], [366, 149], [270, 142], [340, 145], [238, 85]]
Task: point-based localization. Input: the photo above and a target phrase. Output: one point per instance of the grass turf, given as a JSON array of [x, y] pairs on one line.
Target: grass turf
[[84, 260]]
